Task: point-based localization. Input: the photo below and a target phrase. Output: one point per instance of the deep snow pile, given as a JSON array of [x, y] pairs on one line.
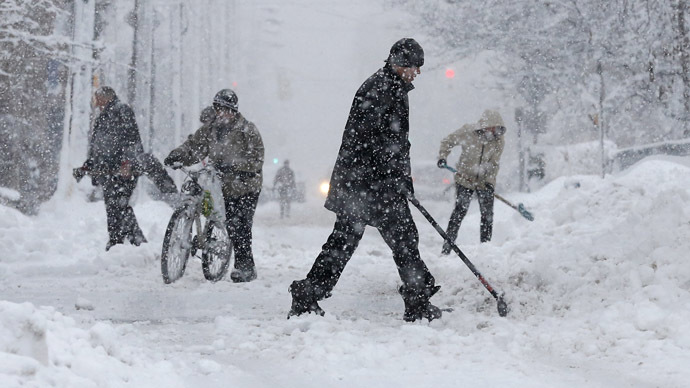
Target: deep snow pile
[[598, 285], [41, 347], [606, 265]]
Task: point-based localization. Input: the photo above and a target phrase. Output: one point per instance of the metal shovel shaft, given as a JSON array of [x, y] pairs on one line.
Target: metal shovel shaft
[[520, 208], [455, 248]]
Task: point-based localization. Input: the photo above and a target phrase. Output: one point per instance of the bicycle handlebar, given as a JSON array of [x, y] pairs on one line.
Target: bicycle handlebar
[[194, 174]]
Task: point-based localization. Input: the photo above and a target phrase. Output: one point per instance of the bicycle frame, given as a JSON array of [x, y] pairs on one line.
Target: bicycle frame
[[210, 237], [193, 197]]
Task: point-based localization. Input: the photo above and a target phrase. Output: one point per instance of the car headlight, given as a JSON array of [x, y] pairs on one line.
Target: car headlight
[[324, 187]]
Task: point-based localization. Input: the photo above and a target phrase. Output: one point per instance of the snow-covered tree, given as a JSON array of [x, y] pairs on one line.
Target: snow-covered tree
[[620, 64], [32, 78]]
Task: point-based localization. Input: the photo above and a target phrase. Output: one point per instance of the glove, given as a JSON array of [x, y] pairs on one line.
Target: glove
[[405, 187], [169, 160], [126, 169], [441, 163], [228, 169], [173, 160], [78, 173], [486, 186], [88, 165]]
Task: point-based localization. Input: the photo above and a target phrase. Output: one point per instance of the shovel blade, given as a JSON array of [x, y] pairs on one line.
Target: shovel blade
[[525, 213], [502, 306]]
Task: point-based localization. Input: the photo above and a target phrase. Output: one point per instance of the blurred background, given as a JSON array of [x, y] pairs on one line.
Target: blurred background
[[585, 87]]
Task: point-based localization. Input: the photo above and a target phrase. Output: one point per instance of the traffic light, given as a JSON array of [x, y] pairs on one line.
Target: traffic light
[[450, 73]]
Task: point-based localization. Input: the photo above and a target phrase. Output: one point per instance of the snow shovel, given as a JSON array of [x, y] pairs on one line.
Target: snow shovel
[[520, 207], [502, 305]]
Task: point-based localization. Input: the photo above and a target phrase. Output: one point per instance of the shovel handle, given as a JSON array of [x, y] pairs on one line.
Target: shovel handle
[[520, 208], [502, 305]]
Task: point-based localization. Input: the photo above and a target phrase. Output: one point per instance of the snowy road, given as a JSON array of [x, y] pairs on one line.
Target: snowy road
[[598, 286]]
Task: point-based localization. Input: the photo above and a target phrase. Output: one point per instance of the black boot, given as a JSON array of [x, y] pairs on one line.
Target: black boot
[[111, 243], [243, 275], [446, 249], [417, 305], [137, 239], [304, 299]]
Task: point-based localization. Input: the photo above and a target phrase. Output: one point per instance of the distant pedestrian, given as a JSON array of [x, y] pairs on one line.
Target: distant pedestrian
[[482, 145], [284, 182], [370, 184]]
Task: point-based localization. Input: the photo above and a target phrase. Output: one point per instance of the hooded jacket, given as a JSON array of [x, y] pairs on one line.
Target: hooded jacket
[[481, 152], [234, 147], [374, 158]]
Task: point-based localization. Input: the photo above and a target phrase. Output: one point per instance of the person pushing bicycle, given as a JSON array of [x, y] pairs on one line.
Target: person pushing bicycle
[[234, 147]]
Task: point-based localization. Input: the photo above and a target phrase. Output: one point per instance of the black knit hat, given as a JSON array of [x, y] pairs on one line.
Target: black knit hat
[[226, 98], [406, 53]]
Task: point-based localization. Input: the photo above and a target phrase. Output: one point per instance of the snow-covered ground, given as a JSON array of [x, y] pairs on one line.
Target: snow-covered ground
[[598, 284]]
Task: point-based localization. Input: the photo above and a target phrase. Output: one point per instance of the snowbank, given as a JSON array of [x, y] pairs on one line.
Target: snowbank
[[598, 285], [574, 159], [41, 347], [603, 269]]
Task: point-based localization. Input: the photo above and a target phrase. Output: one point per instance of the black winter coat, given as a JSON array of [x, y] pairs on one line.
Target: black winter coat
[[115, 139], [373, 165]]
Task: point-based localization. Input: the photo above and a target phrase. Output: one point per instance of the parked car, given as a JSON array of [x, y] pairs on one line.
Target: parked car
[[624, 158], [431, 182]]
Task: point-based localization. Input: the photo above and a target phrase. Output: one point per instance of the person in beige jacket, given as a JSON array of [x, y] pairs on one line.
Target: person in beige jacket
[[234, 147], [482, 145]]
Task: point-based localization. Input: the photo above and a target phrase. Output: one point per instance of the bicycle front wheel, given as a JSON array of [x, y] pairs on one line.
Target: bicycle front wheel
[[217, 253], [177, 244]]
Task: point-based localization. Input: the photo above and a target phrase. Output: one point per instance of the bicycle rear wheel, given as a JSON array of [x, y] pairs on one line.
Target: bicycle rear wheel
[[217, 253], [177, 244]]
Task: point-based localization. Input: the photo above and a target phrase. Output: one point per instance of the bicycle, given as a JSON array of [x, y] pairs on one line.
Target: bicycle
[[186, 234]]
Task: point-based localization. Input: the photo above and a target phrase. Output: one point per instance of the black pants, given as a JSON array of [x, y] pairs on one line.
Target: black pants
[[239, 214], [398, 231], [122, 223], [284, 199], [462, 204]]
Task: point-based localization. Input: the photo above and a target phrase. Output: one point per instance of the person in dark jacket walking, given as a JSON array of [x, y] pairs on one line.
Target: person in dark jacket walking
[[284, 182], [235, 148], [112, 163], [370, 185]]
